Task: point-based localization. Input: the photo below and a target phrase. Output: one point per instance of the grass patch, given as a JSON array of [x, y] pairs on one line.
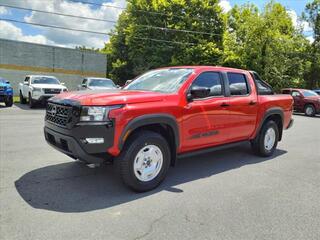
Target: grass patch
[[16, 99]]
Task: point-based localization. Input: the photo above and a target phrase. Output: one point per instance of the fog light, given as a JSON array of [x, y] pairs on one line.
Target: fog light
[[94, 140]]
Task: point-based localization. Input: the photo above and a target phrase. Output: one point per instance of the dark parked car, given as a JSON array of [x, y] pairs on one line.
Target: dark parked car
[[306, 101], [92, 83], [317, 91]]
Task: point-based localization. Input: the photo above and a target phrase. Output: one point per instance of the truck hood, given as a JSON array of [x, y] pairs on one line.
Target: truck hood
[[4, 84], [52, 86], [109, 97]]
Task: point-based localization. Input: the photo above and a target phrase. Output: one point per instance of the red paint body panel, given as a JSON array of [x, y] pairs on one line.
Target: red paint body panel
[[238, 121]]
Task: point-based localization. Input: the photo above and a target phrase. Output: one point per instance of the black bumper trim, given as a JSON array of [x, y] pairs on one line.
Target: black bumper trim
[[290, 123], [71, 147]]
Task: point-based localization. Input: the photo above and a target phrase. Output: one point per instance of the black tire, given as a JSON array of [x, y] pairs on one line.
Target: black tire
[[259, 145], [9, 101], [128, 155], [22, 99], [309, 110], [31, 102]]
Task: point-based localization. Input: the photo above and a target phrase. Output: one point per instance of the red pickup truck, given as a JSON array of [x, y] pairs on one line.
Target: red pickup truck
[[165, 114]]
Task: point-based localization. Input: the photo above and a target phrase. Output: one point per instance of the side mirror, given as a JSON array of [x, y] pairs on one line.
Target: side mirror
[[62, 83], [7, 82], [198, 92]]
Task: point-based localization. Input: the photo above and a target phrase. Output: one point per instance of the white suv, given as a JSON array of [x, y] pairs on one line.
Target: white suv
[[39, 88]]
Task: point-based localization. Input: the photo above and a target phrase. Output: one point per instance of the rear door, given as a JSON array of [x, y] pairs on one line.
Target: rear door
[[243, 106]]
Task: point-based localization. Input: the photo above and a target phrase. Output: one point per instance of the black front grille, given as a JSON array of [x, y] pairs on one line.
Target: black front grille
[[51, 91], [58, 114]]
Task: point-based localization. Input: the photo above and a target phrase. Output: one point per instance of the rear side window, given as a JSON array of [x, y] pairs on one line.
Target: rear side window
[[286, 92], [210, 80], [238, 84]]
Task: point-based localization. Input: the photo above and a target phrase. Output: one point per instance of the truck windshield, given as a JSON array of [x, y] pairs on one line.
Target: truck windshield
[[309, 93], [96, 82], [45, 80], [163, 80]]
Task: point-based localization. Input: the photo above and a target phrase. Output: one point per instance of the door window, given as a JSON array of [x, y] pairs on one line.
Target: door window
[[295, 94], [210, 80], [238, 84]]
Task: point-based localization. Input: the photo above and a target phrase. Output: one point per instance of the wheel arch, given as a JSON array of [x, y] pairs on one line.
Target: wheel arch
[[276, 114], [164, 124]]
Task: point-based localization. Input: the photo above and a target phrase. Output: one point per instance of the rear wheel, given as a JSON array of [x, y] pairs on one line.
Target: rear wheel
[[144, 161], [31, 101], [9, 101], [266, 142], [309, 110], [22, 99]]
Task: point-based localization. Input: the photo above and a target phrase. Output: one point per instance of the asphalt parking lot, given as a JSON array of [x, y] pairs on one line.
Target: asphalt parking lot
[[228, 194]]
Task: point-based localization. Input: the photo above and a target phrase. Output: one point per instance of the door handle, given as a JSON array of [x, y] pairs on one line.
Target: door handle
[[224, 105], [252, 102]]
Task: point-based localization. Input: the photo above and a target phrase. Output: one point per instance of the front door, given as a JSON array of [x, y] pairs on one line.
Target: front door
[[203, 123], [297, 100]]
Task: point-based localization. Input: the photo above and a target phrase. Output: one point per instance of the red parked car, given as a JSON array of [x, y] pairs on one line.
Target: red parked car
[[305, 101], [164, 114]]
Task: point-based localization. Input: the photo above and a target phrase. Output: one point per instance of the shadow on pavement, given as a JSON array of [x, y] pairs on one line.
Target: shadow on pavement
[[26, 106], [303, 115], [73, 187]]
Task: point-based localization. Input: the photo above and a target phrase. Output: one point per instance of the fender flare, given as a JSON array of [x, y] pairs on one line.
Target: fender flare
[[148, 119], [269, 112]]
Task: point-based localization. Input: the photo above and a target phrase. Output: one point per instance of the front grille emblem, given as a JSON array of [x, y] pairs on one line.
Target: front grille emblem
[[53, 111]]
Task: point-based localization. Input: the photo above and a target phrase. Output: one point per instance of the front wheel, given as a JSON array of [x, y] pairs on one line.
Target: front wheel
[[266, 142], [9, 101], [31, 102], [144, 161], [22, 99]]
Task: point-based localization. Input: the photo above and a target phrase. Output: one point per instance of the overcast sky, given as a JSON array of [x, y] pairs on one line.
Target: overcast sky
[[35, 34]]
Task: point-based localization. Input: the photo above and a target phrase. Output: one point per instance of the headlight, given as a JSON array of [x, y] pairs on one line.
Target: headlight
[[36, 89], [96, 114]]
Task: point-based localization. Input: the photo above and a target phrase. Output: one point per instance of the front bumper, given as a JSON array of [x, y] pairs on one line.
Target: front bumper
[[42, 97], [4, 97], [71, 141]]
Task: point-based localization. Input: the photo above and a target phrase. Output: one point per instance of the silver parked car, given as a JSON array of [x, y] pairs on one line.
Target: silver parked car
[[93, 83]]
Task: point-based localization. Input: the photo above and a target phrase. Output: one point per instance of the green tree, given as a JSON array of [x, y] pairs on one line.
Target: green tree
[[266, 42], [312, 15], [155, 33]]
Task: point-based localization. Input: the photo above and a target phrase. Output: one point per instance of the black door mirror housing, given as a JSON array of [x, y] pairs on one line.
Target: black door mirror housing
[[198, 92]]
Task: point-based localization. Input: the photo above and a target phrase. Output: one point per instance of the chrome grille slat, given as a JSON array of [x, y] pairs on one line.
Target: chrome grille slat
[[58, 114], [51, 91]]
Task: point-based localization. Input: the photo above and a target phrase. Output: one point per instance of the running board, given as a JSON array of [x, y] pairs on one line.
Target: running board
[[211, 149]]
